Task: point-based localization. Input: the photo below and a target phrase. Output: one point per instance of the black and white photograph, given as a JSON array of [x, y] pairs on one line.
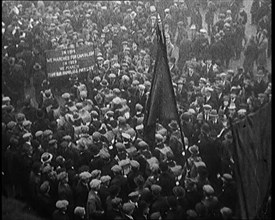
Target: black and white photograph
[[136, 110]]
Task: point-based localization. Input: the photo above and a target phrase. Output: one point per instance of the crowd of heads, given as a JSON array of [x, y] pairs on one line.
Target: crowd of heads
[[81, 153]]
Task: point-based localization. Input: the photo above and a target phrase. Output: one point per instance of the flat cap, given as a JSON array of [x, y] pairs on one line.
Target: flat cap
[[120, 146], [155, 216], [38, 134], [44, 186], [47, 133], [65, 95], [227, 177], [156, 189], [79, 211], [27, 123], [61, 204], [125, 135], [226, 212], [105, 179], [27, 135], [178, 191], [61, 176], [116, 201], [134, 164], [124, 162], [85, 175], [11, 125], [95, 183], [116, 168], [208, 189], [133, 194], [206, 106], [95, 173], [6, 99], [128, 207]]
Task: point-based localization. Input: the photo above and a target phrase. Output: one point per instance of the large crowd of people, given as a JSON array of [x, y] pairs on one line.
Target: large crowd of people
[[80, 152]]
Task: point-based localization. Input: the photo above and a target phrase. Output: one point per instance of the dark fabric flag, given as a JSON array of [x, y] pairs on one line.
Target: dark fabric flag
[[161, 105], [252, 157]]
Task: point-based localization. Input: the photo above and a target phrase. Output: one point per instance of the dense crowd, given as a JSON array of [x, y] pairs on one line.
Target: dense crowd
[[80, 153]]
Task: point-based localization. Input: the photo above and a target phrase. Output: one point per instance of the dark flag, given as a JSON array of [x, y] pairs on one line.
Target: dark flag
[[252, 157], [161, 105]]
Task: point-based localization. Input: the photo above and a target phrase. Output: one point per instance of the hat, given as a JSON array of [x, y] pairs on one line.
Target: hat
[[11, 125], [27, 135], [45, 186], [47, 133], [173, 125], [120, 146], [152, 8], [232, 106], [61, 204], [126, 135], [179, 191], [226, 212], [123, 163], [176, 170], [227, 177], [52, 141], [116, 168], [190, 213], [61, 176], [193, 27], [156, 189], [194, 150], [95, 183], [207, 107], [46, 157], [159, 138], [142, 145], [139, 127], [199, 164], [79, 211], [208, 189], [104, 83], [203, 31], [213, 113], [261, 95], [20, 117], [133, 194], [134, 164], [116, 201], [38, 134], [138, 107], [128, 207], [105, 179], [95, 173], [67, 138], [242, 112], [6, 99], [155, 216], [85, 175]]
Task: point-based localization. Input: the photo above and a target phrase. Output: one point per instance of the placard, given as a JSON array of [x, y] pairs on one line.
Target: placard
[[69, 61]]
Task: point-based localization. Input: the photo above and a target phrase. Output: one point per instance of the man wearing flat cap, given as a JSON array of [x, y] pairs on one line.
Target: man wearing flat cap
[[121, 181], [228, 194], [209, 153], [82, 189], [61, 211], [94, 204]]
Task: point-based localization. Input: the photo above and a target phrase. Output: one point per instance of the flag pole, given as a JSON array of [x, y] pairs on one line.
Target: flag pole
[[173, 94]]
